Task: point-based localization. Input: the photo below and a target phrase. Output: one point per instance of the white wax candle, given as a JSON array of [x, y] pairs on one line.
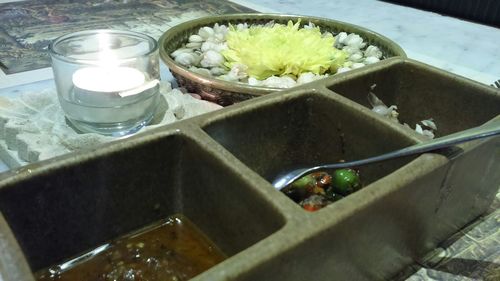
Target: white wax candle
[[108, 79]]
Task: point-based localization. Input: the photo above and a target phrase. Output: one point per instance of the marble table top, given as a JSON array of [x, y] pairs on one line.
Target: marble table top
[[464, 48]]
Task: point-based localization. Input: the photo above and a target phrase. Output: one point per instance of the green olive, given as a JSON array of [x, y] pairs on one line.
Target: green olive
[[300, 189], [304, 182], [345, 181]]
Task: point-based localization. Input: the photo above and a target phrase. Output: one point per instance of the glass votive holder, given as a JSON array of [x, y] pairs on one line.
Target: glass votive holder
[[107, 80]]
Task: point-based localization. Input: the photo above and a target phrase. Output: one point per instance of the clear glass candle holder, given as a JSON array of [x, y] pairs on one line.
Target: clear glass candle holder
[[107, 80]]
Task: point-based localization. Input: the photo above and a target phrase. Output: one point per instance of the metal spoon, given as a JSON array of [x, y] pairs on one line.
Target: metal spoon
[[490, 129]]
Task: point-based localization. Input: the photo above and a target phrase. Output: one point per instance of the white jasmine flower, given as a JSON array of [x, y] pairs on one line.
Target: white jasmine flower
[[209, 45], [206, 32], [340, 38], [351, 49], [193, 45], [195, 38], [239, 71], [356, 57], [326, 34], [379, 107], [202, 71], [181, 51], [187, 59], [230, 78], [242, 26], [428, 133], [343, 69], [373, 51], [383, 110], [419, 129], [427, 129], [254, 82], [347, 64], [373, 100], [222, 29], [309, 25], [218, 37], [394, 113], [279, 82], [216, 71], [212, 59], [370, 60], [307, 77], [357, 65], [429, 123], [354, 40]]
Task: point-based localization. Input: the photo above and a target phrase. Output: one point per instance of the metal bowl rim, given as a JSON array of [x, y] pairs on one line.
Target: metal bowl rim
[[241, 87]]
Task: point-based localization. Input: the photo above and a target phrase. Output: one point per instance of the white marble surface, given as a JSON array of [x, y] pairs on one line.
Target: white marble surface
[[465, 48]]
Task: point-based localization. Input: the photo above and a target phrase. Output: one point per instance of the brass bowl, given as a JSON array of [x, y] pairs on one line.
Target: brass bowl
[[225, 92]]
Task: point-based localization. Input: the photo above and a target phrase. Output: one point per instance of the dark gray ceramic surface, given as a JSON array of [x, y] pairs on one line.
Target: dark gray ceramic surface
[[216, 168]]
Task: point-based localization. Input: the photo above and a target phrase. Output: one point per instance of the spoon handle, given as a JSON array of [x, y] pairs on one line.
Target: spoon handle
[[489, 129]]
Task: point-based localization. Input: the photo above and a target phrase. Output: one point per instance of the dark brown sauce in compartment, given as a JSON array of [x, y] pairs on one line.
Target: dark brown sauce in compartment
[[172, 249]]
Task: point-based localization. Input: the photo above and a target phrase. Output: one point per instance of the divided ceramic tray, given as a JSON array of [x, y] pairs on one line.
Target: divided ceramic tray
[[216, 170]]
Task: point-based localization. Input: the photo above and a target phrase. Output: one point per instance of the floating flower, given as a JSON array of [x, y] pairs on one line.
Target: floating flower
[[212, 59], [373, 51], [286, 51], [187, 59], [279, 50]]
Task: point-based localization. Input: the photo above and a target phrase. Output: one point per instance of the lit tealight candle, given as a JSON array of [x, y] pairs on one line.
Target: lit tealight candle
[[104, 86], [108, 79]]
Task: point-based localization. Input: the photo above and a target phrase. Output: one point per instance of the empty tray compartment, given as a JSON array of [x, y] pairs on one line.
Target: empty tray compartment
[[422, 92], [76, 204], [306, 129]]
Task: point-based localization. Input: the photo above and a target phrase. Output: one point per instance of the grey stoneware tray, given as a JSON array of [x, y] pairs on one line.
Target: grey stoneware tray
[[216, 169]]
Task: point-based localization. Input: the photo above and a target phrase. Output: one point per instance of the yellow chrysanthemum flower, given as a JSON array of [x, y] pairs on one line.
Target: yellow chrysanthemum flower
[[282, 50]]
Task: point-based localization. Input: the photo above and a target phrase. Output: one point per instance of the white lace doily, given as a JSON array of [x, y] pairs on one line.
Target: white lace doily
[[33, 126]]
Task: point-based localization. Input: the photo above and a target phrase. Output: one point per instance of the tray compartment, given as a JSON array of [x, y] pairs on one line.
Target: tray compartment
[[422, 92], [82, 201], [305, 128]]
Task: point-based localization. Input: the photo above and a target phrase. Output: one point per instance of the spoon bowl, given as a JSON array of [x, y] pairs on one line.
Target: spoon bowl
[[487, 130]]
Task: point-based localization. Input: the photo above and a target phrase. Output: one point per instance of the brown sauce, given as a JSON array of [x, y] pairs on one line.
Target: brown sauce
[[173, 249]]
